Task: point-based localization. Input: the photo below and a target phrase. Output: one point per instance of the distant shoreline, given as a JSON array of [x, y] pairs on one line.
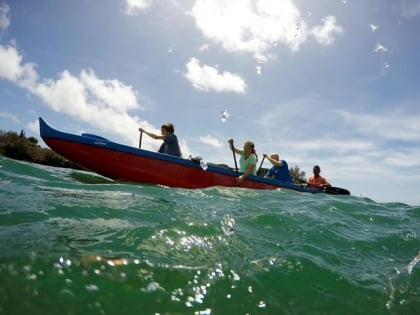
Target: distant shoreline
[[19, 147]]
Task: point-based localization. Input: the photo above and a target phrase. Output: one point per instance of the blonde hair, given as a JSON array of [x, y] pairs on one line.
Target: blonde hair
[[252, 146]]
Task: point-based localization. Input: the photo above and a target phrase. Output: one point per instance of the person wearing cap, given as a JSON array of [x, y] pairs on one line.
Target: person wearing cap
[[279, 170]]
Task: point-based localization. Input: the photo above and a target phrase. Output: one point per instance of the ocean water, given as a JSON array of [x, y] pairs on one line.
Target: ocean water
[[73, 242]]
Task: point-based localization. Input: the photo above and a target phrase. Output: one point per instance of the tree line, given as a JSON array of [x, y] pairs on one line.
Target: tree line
[[19, 147]]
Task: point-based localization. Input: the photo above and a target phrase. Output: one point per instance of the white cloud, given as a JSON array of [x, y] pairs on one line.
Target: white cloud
[[324, 34], [204, 47], [410, 8], [209, 140], [101, 103], [4, 16], [92, 100], [135, 6], [389, 125], [33, 126], [10, 116], [404, 159], [12, 68], [257, 26], [110, 93], [336, 145], [207, 78]]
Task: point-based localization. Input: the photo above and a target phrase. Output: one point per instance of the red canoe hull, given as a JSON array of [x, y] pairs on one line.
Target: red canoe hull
[[121, 162], [134, 168]]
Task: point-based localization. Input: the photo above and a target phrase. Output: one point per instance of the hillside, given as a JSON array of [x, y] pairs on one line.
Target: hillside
[[19, 147]]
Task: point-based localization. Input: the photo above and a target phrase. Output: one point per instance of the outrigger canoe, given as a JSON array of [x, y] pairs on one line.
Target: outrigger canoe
[[125, 163]]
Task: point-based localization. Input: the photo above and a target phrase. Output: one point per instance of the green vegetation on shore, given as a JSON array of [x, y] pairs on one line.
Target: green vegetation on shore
[[19, 147]]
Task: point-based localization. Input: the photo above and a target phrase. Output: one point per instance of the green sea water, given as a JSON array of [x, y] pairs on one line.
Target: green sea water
[[73, 242]]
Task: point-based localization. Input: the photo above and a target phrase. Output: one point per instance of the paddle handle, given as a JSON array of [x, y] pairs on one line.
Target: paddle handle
[[259, 169], [141, 136], [234, 157]]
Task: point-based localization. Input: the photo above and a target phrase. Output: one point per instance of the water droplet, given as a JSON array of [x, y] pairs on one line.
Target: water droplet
[[228, 225], [92, 287], [224, 115], [203, 164], [152, 286], [413, 263]]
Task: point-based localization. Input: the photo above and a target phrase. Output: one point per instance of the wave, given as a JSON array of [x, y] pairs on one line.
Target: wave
[[76, 241]]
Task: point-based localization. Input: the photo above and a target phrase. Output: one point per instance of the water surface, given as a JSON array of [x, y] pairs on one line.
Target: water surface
[[73, 242]]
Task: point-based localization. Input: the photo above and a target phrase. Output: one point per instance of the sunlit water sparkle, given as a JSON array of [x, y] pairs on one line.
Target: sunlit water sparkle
[[75, 243]]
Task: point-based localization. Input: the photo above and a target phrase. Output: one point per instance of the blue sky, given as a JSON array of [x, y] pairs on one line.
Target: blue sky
[[334, 83]]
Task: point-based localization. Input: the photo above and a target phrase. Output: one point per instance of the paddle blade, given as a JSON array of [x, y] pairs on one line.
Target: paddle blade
[[336, 191]]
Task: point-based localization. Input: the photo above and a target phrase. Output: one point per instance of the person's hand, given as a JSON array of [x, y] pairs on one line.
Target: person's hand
[[232, 147], [141, 129], [240, 179], [265, 155]]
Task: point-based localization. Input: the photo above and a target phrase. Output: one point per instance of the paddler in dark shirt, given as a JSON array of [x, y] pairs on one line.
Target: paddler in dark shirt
[[170, 141]]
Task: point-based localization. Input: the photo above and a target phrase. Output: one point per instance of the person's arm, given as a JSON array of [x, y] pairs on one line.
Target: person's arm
[[249, 171], [272, 161], [325, 183], [232, 147], [269, 173], [152, 135]]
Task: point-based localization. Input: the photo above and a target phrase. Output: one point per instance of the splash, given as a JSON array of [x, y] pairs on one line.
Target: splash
[[224, 115], [228, 224], [379, 48], [411, 265], [199, 159], [203, 164]]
